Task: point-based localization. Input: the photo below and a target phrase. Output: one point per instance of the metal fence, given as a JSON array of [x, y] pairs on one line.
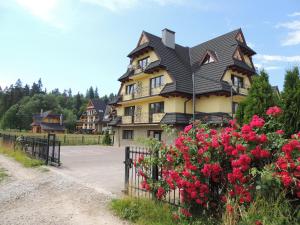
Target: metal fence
[[46, 149], [133, 180]]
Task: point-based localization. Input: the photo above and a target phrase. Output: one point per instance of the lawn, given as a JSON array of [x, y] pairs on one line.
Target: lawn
[[66, 139], [20, 157]]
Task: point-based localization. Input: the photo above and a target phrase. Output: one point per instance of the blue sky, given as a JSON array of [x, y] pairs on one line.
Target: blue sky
[[79, 43]]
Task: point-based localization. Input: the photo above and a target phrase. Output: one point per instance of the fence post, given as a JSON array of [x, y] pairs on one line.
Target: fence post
[[155, 167], [65, 137], [98, 139], [127, 163], [58, 160], [48, 146]]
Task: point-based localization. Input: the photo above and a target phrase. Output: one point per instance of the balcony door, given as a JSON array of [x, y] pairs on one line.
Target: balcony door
[[156, 107]]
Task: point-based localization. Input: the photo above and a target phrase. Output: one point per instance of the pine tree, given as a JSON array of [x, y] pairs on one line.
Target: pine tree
[[96, 93], [261, 96], [291, 101], [91, 93]]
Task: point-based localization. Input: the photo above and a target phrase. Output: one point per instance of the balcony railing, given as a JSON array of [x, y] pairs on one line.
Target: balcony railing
[[143, 118], [241, 90], [142, 92]]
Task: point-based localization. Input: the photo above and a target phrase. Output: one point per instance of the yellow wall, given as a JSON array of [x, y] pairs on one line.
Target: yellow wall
[[152, 57], [213, 103], [247, 60], [227, 77]]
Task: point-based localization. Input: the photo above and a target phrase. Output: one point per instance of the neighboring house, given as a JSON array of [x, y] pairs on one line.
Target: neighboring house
[[46, 122], [157, 87], [91, 121]]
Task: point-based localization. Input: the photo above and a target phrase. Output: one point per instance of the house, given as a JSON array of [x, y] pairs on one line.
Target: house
[[91, 121], [46, 122], [157, 87]]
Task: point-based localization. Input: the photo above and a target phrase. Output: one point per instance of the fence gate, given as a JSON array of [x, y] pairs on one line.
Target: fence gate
[[53, 150], [133, 180]]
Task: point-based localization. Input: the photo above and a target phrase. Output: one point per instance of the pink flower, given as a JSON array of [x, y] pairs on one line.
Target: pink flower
[[188, 128], [274, 111], [280, 132], [257, 122]]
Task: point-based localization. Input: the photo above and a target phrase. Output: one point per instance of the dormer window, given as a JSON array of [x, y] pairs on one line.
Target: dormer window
[[143, 63], [209, 58]]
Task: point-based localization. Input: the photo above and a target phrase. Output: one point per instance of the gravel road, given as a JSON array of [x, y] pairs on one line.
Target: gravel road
[[46, 197]]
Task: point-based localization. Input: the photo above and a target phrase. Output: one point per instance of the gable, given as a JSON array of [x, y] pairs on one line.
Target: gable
[[90, 104], [239, 37], [143, 40], [238, 55]]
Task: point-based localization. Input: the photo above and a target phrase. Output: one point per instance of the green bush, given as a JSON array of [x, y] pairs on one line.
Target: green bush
[[106, 139]]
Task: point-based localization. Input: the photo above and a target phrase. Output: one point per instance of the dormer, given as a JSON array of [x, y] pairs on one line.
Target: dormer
[[209, 57]]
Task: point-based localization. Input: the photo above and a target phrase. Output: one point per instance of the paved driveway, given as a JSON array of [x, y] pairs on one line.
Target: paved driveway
[[99, 166]]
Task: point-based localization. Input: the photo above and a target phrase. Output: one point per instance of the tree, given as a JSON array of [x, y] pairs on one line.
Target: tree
[[261, 96], [90, 93], [96, 93], [10, 119], [70, 120], [291, 101]]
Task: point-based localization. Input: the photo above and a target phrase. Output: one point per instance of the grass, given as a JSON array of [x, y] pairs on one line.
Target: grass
[[147, 212], [20, 157], [271, 211], [3, 174], [66, 139]]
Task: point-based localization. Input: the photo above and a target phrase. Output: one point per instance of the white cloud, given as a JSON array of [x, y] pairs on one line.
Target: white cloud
[[250, 44], [293, 36], [44, 10], [278, 58], [294, 14]]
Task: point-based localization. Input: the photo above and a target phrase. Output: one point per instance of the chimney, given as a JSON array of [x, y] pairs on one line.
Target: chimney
[[61, 119], [168, 38]]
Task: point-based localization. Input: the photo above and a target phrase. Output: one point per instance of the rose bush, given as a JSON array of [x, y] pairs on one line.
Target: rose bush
[[209, 166]]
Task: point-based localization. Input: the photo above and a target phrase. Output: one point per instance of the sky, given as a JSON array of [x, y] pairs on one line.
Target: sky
[[81, 43]]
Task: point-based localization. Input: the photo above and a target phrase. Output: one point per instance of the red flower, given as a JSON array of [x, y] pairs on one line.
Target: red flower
[[160, 192], [229, 208], [257, 122], [257, 222], [280, 132], [274, 111], [188, 128]]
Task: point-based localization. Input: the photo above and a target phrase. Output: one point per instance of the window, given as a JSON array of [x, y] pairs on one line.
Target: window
[[128, 134], [129, 111], [143, 63], [157, 107], [237, 81], [235, 106], [155, 134], [129, 89], [157, 82], [208, 59]]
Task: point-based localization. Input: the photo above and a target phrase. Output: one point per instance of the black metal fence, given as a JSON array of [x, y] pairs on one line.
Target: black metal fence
[[46, 149], [133, 180]]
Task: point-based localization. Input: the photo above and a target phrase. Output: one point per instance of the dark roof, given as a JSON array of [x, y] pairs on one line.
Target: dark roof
[[115, 121], [52, 126], [100, 107], [181, 62]]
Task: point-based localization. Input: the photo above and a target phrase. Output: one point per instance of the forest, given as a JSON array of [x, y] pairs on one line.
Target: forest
[[19, 102]]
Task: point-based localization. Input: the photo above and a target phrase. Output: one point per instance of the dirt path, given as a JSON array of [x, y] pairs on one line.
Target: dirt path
[[38, 197]]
